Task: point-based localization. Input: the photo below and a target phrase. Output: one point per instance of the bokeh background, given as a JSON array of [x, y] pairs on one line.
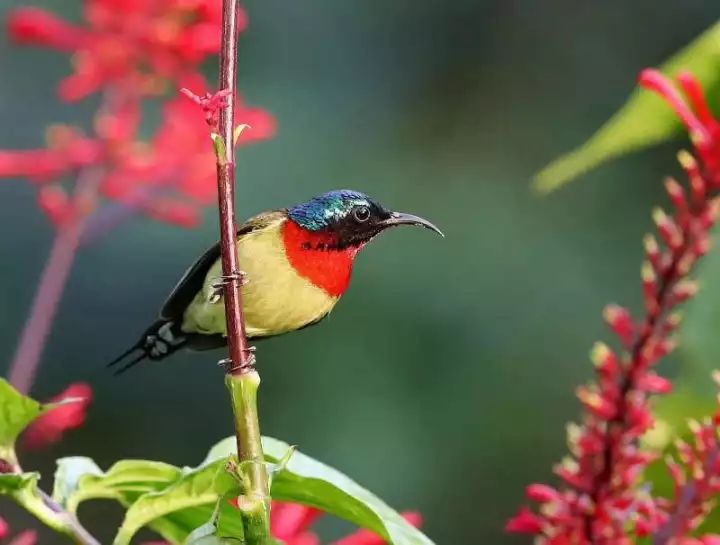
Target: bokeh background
[[445, 378]]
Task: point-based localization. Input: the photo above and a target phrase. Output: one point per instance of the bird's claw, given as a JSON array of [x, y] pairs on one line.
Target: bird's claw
[[231, 367], [219, 283]]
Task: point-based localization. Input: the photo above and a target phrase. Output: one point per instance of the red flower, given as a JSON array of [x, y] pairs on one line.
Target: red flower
[[602, 500], [122, 41], [50, 426], [27, 537]]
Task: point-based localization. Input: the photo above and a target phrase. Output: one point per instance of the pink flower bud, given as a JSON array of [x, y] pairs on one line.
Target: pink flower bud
[[525, 522], [541, 493], [619, 320], [654, 384]]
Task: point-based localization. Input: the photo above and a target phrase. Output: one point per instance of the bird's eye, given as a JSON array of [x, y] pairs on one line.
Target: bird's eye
[[361, 214]]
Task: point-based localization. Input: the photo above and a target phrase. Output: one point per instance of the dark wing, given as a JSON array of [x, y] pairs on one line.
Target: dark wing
[[192, 281]]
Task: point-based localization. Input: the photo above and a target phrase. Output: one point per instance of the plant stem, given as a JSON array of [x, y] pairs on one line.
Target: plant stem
[[255, 502], [242, 378], [51, 286]]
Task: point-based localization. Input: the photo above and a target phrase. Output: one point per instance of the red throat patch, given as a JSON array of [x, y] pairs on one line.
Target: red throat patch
[[315, 257]]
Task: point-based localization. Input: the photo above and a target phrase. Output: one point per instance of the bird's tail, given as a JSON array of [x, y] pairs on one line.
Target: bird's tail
[[159, 341]]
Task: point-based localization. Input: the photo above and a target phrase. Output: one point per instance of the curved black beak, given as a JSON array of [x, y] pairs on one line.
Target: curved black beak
[[400, 218]]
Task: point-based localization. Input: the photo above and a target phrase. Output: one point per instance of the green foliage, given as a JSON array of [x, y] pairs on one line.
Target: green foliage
[[185, 505], [175, 502], [643, 121]]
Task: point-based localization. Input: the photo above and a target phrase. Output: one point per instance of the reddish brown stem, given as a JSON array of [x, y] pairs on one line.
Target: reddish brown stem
[[51, 287], [240, 354], [242, 379]]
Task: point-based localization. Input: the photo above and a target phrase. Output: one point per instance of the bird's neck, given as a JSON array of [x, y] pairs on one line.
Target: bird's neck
[[315, 255]]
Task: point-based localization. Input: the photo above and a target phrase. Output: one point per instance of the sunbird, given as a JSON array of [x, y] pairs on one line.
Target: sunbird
[[297, 263]]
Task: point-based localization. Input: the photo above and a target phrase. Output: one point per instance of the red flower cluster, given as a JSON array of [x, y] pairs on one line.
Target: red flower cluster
[[130, 50], [26, 537], [51, 426], [137, 43], [602, 500]]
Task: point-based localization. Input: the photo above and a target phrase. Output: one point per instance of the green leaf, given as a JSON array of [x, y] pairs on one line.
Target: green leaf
[[644, 120], [307, 481], [13, 483], [16, 412], [177, 502], [79, 479], [194, 489]]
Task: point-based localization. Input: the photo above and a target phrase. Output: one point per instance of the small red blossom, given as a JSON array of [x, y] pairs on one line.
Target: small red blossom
[[52, 425], [602, 500], [211, 104]]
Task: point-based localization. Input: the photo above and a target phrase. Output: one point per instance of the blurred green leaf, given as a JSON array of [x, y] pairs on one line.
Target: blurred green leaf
[[16, 412], [644, 120]]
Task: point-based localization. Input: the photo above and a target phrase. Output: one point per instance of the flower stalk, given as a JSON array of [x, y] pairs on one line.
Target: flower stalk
[[241, 378], [52, 284]]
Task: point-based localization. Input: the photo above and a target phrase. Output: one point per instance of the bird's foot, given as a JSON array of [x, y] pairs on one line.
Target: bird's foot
[[219, 283], [231, 367]]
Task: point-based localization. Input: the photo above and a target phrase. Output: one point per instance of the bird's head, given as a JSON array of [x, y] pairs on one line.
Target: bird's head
[[323, 235], [347, 220]]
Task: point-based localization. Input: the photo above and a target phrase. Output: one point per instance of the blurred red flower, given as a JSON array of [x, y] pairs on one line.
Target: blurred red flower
[[141, 43], [291, 523], [26, 537], [51, 425]]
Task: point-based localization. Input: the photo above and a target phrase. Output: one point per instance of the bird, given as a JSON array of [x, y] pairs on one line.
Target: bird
[[297, 263]]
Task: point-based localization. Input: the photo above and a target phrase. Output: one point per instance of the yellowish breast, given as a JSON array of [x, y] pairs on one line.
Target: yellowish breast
[[276, 299]]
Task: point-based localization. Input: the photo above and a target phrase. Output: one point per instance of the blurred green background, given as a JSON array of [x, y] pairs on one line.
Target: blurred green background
[[445, 378]]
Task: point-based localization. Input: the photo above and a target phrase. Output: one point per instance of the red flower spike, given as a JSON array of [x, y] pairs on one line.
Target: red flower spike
[[4, 529], [50, 426], [602, 500]]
